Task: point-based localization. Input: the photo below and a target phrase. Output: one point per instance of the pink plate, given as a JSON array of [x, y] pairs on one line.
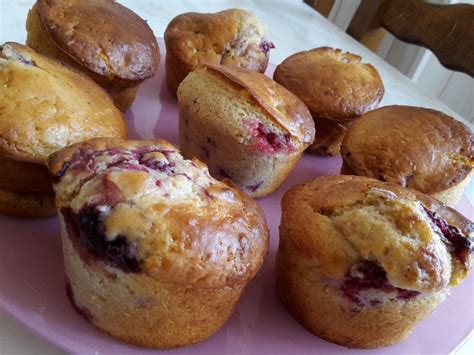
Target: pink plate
[[32, 277]]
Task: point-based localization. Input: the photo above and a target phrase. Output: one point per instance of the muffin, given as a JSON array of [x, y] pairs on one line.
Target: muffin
[[157, 252], [361, 262], [337, 88], [233, 37], [25, 188], [103, 39], [244, 125], [44, 107], [415, 147]]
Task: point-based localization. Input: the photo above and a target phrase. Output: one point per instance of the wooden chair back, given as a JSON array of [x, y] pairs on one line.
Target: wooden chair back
[[447, 30], [324, 7]]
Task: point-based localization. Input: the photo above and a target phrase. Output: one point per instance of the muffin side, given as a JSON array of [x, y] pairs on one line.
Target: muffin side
[[414, 147], [156, 235], [232, 37], [370, 260], [141, 310], [335, 86], [31, 204], [117, 59], [45, 106], [228, 126], [329, 137], [18, 176], [319, 307]]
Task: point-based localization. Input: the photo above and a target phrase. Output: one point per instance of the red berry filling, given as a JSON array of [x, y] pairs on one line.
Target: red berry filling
[[265, 46], [110, 193], [87, 233], [371, 276], [137, 159], [157, 164], [126, 164], [84, 312], [462, 246], [268, 141], [255, 187]]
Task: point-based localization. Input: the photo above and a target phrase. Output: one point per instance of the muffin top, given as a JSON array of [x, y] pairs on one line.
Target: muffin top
[[232, 37], [333, 84], [140, 207], [46, 106], [103, 36], [345, 225], [415, 147], [281, 108]]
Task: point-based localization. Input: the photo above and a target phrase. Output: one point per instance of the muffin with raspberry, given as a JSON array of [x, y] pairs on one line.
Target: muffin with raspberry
[[418, 148], [361, 262], [44, 106], [232, 37], [336, 86], [156, 251], [102, 38], [244, 125]]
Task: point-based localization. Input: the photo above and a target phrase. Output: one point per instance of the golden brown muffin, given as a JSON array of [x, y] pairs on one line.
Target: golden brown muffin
[[103, 39], [25, 189], [31, 204], [232, 37], [415, 147], [329, 137], [23, 176], [336, 87], [361, 262], [157, 252], [45, 106], [245, 126]]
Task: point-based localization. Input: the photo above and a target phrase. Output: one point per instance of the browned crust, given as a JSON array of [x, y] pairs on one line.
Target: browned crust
[[285, 109], [333, 84], [224, 245], [47, 106], [26, 204], [315, 200], [342, 190], [103, 36], [415, 147], [329, 135], [56, 161], [193, 38], [20, 176]]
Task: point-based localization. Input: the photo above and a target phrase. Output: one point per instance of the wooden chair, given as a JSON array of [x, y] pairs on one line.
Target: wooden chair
[[447, 30], [324, 7]]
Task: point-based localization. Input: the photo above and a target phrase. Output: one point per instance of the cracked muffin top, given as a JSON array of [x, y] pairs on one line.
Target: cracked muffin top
[[414, 147], [232, 37], [279, 121], [139, 206], [353, 229], [45, 106], [333, 84], [101, 35]]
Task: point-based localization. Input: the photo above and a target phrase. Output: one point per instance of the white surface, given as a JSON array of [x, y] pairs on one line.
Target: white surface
[[293, 27]]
